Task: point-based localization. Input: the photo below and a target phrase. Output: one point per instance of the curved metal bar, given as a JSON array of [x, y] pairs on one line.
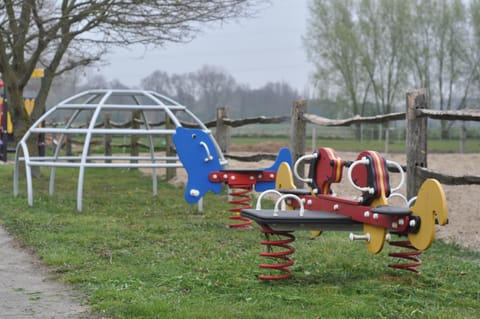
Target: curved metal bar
[[96, 102], [209, 156], [282, 199], [363, 161], [28, 172], [411, 201], [51, 184], [152, 155], [401, 196], [402, 175], [165, 109], [86, 146], [270, 191], [301, 159]]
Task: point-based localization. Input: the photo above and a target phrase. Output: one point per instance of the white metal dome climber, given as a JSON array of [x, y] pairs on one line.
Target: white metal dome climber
[[83, 117]]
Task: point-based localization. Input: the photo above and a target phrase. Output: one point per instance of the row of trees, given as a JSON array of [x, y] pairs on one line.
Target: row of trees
[[201, 91], [211, 86], [372, 51]]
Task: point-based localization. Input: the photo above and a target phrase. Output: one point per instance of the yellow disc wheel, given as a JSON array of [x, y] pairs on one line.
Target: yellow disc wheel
[[377, 237], [376, 234], [430, 202]]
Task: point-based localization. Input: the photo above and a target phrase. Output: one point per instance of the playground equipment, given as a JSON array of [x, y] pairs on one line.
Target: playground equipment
[[196, 151], [89, 115], [319, 208], [6, 124]]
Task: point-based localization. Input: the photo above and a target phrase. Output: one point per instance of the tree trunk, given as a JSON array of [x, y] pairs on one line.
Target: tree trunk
[[21, 123], [445, 130], [359, 132]]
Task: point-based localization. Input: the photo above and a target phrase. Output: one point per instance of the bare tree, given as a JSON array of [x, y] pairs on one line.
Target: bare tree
[[158, 81], [184, 88], [209, 87], [333, 45], [442, 51], [216, 86], [63, 35]]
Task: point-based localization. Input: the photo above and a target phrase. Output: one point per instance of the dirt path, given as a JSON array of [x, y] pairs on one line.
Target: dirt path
[[26, 291]]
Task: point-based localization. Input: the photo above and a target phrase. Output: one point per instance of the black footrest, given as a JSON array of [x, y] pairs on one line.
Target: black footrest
[[311, 220], [391, 210], [298, 192]]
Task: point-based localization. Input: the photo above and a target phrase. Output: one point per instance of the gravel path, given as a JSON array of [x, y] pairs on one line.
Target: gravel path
[[27, 292]]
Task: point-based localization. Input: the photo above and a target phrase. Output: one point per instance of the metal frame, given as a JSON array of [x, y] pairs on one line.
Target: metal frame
[[157, 102]]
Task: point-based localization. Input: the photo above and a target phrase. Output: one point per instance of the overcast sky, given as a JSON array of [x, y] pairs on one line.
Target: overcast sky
[[255, 51]]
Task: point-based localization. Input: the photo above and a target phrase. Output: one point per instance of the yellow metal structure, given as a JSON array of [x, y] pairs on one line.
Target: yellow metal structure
[[430, 202], [38, 73], [29, 105], [29, 102]]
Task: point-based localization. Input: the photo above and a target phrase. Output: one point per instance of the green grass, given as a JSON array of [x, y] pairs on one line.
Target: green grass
[[434, 145], [168, 261]]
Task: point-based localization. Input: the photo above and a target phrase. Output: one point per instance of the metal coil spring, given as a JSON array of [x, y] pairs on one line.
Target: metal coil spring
[[278, 255], [408, 255], [241, 198]]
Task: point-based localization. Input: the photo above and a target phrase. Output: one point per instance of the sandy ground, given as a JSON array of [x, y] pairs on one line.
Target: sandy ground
[[463, 201], [27, 292]]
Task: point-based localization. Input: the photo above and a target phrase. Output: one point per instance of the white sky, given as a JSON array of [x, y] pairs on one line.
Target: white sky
[[255, 51]]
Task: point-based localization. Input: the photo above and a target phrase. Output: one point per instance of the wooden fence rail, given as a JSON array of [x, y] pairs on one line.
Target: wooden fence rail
[[416, 115], [322, 121], [249, 120], [458, 115]]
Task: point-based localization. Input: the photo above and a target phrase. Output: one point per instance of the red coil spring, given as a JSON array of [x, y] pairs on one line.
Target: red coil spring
[[241, 198], [282, 255], [409, 255]]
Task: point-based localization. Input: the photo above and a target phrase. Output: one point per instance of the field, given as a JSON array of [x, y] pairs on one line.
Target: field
[[141, 256]]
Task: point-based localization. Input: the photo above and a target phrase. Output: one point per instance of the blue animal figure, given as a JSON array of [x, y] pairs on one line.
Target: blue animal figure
[[198, 153]]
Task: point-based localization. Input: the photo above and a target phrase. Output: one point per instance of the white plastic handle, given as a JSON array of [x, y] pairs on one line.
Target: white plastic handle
[[301, 159], [282, 199], [411, 201], [401, 196], [402, 175], [209, 156], [363, 161], [270, 191]]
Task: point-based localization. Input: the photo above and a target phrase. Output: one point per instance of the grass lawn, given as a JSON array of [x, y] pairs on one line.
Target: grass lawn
[[433, 145], [141, 256]]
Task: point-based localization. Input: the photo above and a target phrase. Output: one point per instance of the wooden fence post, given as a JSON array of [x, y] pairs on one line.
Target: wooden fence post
[[298, 135], [463, 137], [222, 133], [416, 139]]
